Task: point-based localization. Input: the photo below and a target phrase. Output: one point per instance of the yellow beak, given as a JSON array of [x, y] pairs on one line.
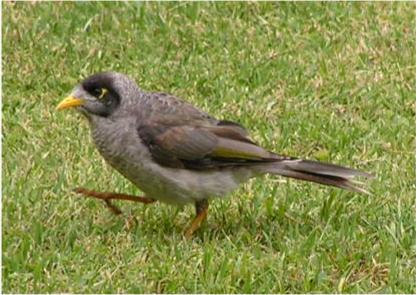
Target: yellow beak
[[70, 102]]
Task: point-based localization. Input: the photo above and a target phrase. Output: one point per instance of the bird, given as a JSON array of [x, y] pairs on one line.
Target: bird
[[178, 154]]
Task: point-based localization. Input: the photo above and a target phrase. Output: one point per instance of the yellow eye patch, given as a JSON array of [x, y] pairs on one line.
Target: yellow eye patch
[[103, 92]]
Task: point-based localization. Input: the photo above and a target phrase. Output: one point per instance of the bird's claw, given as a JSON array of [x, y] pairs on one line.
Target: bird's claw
[[103, 196], [113, 208]]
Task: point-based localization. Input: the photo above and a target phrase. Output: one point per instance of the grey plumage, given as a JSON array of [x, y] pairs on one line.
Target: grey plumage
[[178, 154]]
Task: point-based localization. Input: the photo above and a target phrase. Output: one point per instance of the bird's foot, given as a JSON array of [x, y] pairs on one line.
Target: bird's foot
[[201, 210], [106, 197]]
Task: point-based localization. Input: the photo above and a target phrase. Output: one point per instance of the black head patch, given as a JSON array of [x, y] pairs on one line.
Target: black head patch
[[97, 82], [102, 87]]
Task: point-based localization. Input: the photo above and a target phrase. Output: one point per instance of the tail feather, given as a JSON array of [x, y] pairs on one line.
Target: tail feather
[[318, 172]]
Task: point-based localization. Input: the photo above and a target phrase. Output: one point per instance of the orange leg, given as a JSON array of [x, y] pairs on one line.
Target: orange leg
[[201, 208], [106, 197]]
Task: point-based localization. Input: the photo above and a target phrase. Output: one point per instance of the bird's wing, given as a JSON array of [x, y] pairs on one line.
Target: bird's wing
[[202, 147], [179, 135]]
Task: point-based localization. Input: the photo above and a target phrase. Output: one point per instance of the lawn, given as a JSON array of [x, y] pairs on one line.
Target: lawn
[[327, 81]]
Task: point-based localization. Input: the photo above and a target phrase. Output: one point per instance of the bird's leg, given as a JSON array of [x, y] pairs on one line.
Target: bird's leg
[[201, 208], [106, 197]]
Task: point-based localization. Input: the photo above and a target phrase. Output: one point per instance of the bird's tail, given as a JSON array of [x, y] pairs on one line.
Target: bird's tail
[[323, 173]]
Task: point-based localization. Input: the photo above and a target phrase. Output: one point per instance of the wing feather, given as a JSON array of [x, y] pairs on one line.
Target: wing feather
[[179, 135], [198, 147]]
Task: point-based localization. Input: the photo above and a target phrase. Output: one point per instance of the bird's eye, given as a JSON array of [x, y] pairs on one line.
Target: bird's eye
[[100, 92]]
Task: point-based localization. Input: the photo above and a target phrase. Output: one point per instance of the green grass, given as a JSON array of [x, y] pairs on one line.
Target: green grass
[[330, 81]]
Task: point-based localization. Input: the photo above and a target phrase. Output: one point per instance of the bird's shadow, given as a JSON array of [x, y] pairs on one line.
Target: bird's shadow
[[218, 228], [246, 221]]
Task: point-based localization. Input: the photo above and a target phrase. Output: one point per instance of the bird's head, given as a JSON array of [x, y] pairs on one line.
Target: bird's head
[[100, 94]]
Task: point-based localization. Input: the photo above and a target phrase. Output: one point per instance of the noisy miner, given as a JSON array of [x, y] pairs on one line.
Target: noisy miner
[[178, 154]]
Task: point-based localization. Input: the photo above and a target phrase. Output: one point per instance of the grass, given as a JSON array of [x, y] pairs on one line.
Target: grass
[[328, 81]]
